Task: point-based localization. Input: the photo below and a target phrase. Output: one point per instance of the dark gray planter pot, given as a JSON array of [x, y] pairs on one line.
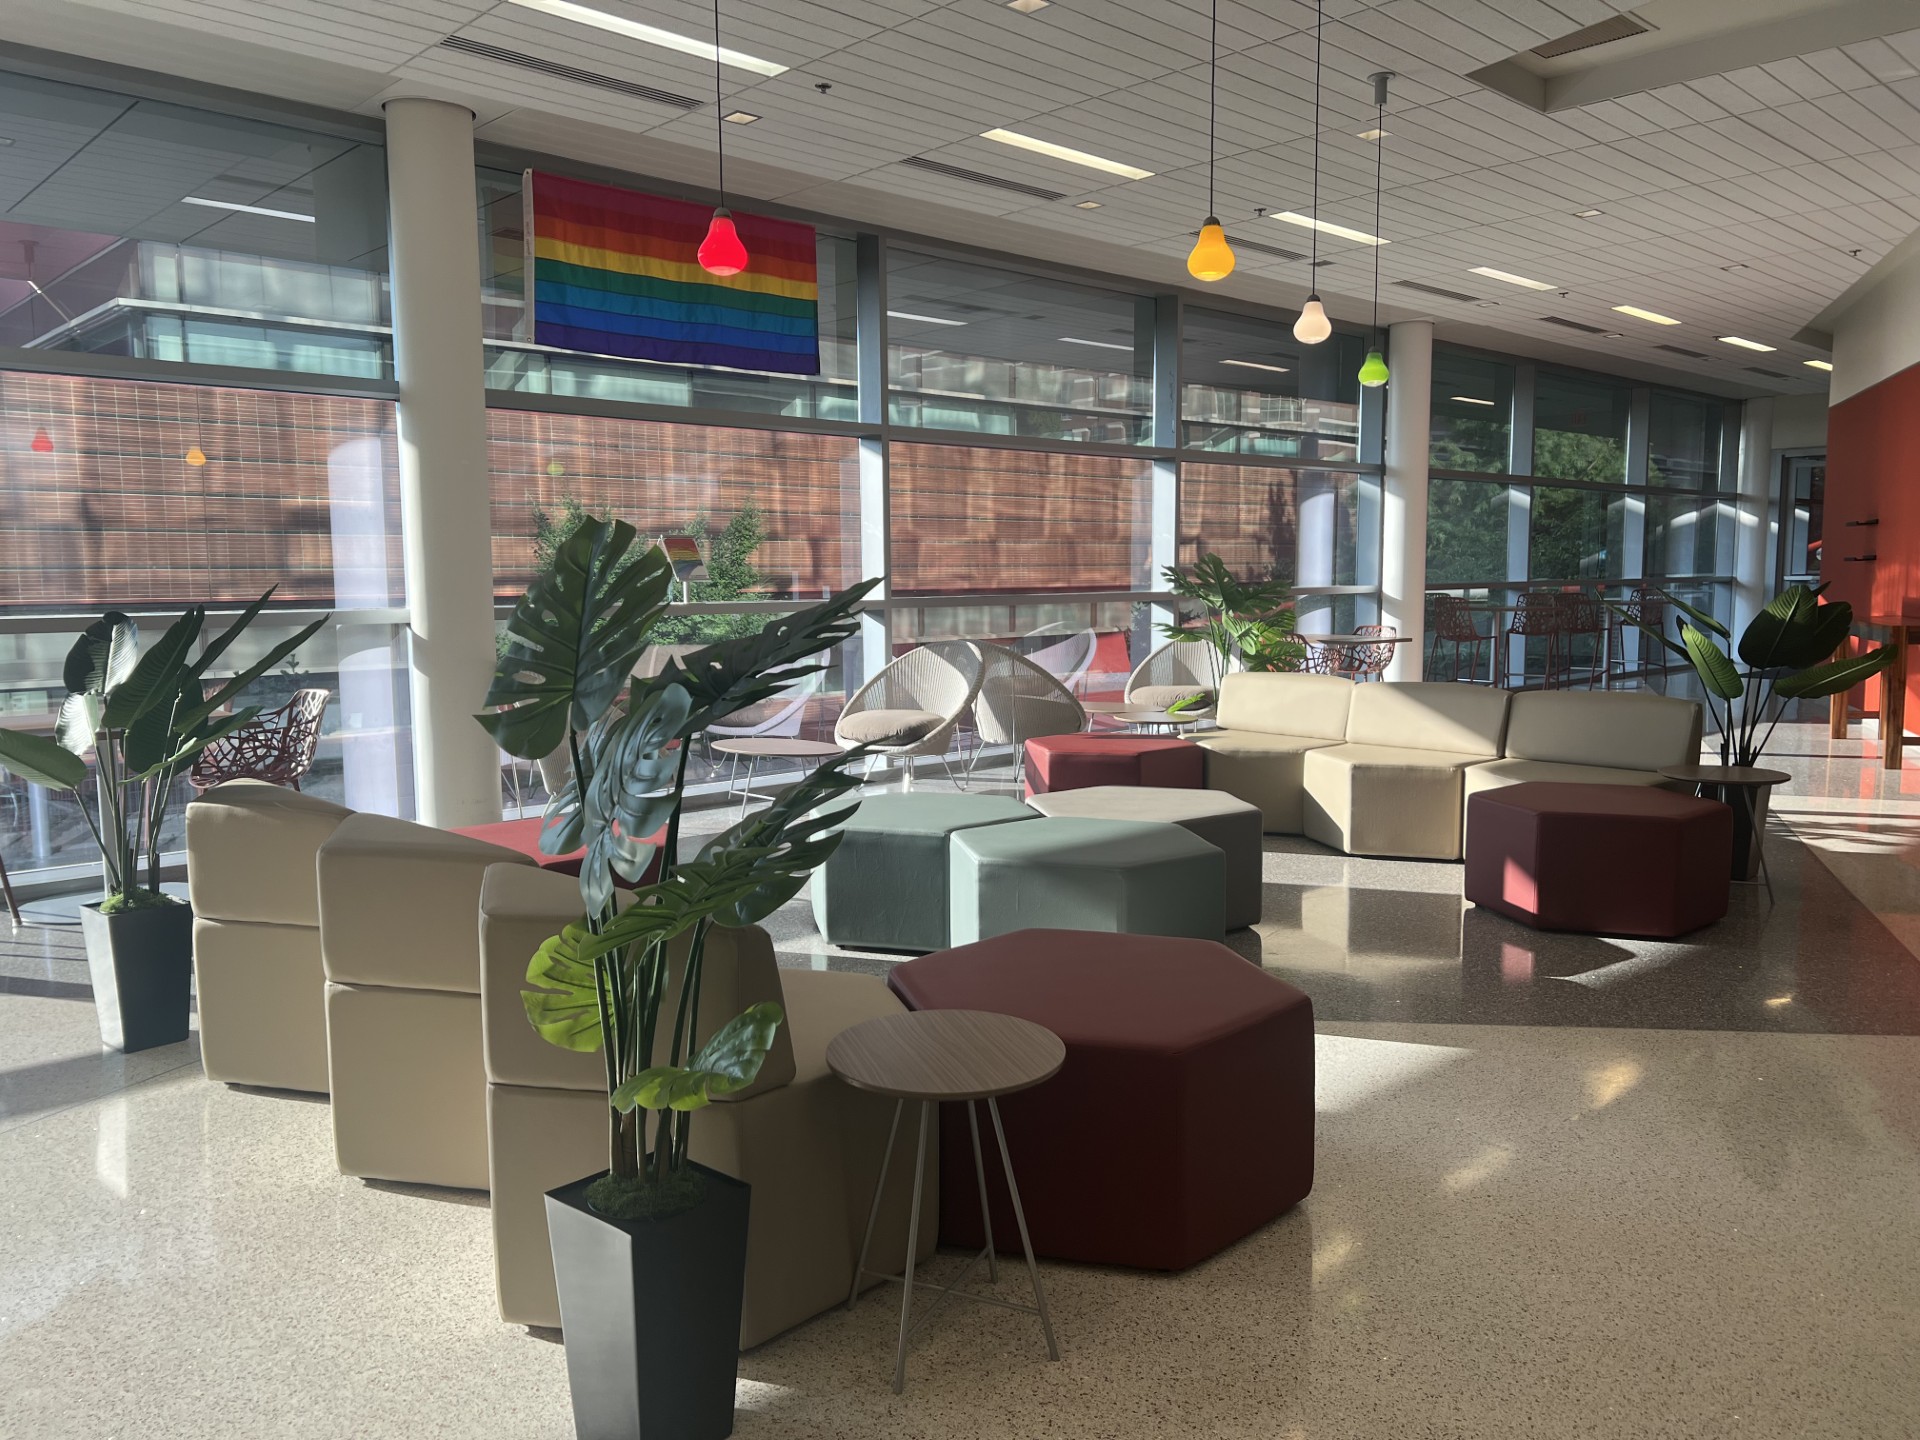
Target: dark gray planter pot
[[141, 962], [650, 1310]]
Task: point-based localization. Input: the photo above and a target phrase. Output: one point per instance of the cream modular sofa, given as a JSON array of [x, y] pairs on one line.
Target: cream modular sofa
[[808, 1144], [1386, 769]]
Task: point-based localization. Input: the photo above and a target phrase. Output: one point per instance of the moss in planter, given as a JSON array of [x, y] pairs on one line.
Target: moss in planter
[[621, 1199], [136, 899]]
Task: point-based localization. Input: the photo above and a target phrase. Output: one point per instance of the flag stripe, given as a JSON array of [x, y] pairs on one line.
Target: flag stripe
[[721, 315], [676, 352], [687, 271], [684, 292]]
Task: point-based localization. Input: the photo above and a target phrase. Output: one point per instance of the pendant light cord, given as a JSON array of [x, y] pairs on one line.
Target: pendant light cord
[[1379, 162], [1319, 21], [719, 120], [1213, 101]]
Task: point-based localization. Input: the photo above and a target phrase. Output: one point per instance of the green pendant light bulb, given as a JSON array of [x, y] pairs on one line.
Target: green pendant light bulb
[[1373, 373], [1373, 370]]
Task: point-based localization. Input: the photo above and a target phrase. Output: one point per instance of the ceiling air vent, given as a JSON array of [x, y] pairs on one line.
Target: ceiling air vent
[[1682, 350], [1614, 27], [979, 177], [568, 72], [1572, 325], [1770, 374], [1435, 290]]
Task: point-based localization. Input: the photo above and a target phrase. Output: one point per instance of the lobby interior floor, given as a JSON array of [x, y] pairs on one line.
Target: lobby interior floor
[[1565, 1187]]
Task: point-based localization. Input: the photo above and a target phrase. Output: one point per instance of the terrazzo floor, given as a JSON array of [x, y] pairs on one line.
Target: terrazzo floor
[[1566, 1187]]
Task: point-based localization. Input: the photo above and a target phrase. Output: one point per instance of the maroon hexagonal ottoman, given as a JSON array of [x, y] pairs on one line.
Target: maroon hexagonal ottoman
[[1182, 1120], [1075, 762], [1599, 859]]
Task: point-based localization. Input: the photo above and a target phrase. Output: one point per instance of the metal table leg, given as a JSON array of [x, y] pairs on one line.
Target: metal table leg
[[980, 1174], [879, 1189], [913, 1245], [1020, 1219]]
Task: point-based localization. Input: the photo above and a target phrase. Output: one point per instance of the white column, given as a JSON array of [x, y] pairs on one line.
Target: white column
[[1750, 513], [1403, 518], [444, 500]]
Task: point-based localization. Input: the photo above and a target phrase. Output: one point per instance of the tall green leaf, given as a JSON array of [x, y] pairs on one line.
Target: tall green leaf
[[726, 1064], [1794, 631], [41, 761], [157, 676], [1699, 617], [217, 646], [190, 718], [1716, 670], [104, 655], [1628, 617], [1834, 676], [574, 639], [77, 726]]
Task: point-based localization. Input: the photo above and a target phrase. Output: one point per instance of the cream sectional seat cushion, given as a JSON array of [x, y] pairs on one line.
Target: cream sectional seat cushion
[[1451, 718], [1626, 731], [1314, 706], [392, 893], [1493, 774], [250, 849], [1165, 697], [1262, 769], [887, 727], [1392, 800]]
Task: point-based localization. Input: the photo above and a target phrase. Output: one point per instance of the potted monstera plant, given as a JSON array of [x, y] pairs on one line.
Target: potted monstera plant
[[143, 712], [1247, 624], [650, 1255]]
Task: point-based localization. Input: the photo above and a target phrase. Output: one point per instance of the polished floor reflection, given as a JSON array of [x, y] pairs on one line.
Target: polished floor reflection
[[1566, 1187]]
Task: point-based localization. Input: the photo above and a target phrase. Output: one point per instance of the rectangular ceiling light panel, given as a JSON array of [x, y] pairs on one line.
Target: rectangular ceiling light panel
[[652, 35], [1511, 278], [1745, 344], [247, 209], [1067, 153], [1327, 227], [1256, 365], [1639, 314]]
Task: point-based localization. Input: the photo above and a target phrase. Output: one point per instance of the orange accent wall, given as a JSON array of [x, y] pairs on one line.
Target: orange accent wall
[[1873, 472]]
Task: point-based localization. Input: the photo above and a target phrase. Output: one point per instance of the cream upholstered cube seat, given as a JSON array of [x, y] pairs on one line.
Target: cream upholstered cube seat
[[1395, 788], [1268, 724], [400, 941], [251, 876], [808, 1144]]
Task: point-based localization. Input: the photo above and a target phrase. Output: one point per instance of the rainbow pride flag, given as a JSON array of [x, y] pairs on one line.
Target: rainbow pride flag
[[614, 272]]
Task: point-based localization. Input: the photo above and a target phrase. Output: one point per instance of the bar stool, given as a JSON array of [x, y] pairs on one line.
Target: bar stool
[[1580, 618], [1536, 614], [1453, 624]]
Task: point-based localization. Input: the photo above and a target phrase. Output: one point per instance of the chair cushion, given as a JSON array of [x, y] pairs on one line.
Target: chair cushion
[[887, 727], [1165, 697], [1286, 704], [1463, 719]]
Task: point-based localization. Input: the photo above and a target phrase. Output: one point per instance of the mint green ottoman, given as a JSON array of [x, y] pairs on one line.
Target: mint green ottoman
[[885, 887], [1139, 877]]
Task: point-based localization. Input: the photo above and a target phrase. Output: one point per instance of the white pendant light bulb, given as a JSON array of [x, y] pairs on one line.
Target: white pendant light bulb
[[1313, 326]]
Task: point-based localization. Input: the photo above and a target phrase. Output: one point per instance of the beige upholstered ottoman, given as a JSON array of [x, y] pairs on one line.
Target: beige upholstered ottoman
[[1229, 824]]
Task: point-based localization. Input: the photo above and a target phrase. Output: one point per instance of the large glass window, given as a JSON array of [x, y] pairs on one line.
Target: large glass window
[[515, 363], [1300, 526], [971, 518], [998, 352], [776, 512], [1472, 413], [1688, 535], [156, 231], [1580, 429], [1577, 534], [1684, 435], [1251, 388], [1467, 527]]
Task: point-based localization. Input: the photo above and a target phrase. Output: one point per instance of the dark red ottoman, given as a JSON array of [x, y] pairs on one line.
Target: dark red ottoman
[[1076, 762], [524, 836], [1600, 859], [1182, 1120]]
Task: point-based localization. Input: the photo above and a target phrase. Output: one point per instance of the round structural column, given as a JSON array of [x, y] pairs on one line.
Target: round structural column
[[444, 492], [1403, 510]]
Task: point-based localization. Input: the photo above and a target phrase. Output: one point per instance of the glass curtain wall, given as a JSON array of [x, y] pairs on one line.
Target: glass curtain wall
[[1604, 489]]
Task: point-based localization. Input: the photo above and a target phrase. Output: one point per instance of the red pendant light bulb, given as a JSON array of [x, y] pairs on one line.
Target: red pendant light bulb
[[722, 252], [42, 443]]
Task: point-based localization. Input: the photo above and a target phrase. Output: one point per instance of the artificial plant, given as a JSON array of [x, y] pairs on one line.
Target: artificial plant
[[144, 713], [1246, 623], [1786, 651], [605, 982]]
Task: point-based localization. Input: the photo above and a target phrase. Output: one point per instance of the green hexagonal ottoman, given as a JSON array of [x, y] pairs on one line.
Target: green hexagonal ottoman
[[885, 887], [1138, 877]]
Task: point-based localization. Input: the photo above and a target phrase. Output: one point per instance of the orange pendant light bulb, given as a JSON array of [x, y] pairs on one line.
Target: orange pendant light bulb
[[722, 252], [196, 457], [1211, 257]]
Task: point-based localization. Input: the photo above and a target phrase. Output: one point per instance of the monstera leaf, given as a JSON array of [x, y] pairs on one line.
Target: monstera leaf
[[630, 793], [574, 639], [737, 673], [794, 834], [727, 1063]]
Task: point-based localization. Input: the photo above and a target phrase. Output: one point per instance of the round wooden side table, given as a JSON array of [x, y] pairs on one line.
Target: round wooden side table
[[1721, 782], [947, 1055], [755, 748]]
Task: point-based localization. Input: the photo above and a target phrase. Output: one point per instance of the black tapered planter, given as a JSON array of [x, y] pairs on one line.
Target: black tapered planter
[[650, 1310], [141, 962]]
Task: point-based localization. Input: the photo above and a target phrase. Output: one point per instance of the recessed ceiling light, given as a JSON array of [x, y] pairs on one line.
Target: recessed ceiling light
[[1610, 335], [1376, 135], [1087, 205], [249, 209], [1486, 304], [1327, 227], [1493, 274], [1067, 153], [1588, 214], [1639, 314], [1744, 344], [5, 140], [1027, 7], [651, 35], [1819, 364], [1256, 365], [1097, 344], [1733, 267], [741, 117], [924, 319], [1470, 400]]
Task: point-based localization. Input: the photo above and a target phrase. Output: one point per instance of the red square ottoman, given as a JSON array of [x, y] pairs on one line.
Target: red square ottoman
[[1599, 859], [1075, 762], [1182, 1120], [524, 836]]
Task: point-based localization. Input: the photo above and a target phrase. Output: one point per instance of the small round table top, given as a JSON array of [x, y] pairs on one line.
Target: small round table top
[[1092, 707], [945, 1055], [1161, 717], [783, 747], [1723, 775]]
